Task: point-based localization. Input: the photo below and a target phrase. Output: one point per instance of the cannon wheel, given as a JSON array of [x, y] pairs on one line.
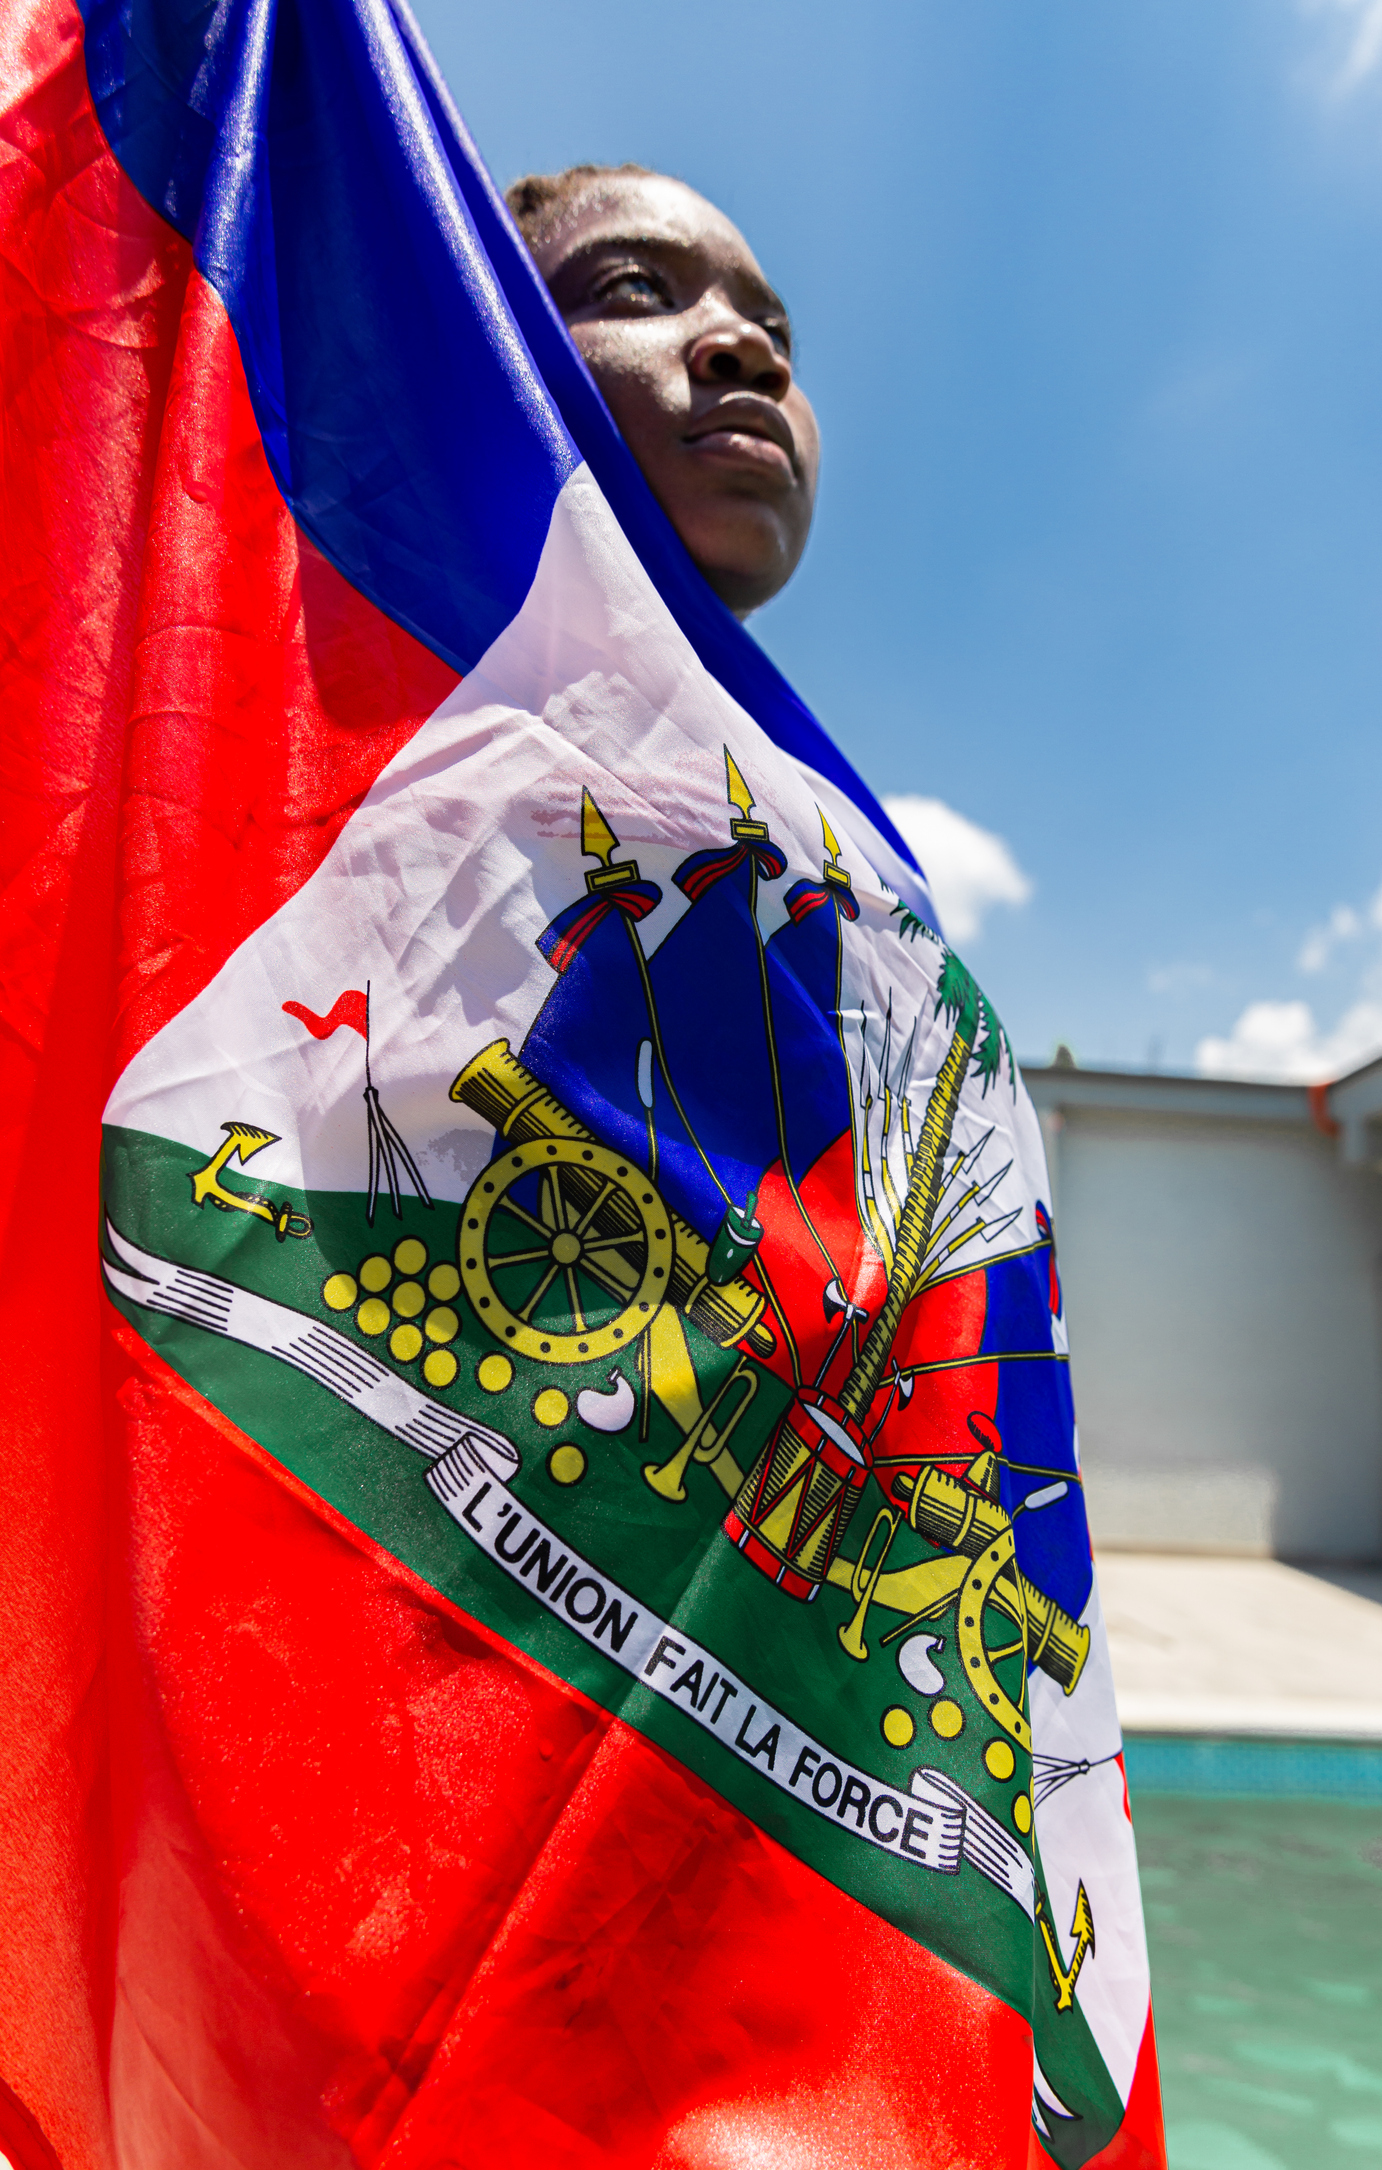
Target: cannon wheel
[[990, 1603], [565, 1250]]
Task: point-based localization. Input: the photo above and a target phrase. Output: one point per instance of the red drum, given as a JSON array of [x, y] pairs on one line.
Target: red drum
[[796, 1503]]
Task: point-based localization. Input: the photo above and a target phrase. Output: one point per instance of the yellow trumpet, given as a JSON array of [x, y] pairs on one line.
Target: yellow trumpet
[[863, 1584]]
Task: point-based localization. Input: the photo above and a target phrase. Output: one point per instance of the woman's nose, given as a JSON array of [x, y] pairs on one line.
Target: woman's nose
[[740, 352]]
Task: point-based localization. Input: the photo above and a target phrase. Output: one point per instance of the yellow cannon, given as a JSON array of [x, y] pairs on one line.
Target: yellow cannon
[[957, 1519], [976, 1569], [605, 1217]]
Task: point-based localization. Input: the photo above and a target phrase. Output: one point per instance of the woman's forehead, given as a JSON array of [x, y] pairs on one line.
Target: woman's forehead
[[652, 209]]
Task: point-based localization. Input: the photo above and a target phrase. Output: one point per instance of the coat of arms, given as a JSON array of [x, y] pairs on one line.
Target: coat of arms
[[739, 1371]]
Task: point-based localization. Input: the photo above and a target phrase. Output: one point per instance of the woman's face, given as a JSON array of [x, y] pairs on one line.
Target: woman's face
[[693, 352]]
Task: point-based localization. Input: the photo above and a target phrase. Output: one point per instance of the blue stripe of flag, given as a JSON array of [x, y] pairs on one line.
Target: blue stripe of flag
[[420, 400]]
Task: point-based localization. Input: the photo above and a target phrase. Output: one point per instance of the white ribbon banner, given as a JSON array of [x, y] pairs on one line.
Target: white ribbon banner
[[350, 1373], [936, 1825]]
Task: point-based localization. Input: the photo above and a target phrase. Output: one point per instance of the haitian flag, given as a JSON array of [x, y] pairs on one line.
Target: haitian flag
[[548, 1603]]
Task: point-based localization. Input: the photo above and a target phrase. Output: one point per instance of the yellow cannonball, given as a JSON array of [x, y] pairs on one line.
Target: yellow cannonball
[[404, 1343], [899, 1727], [340, 1292], [566, 1465], [409, 1255], [375, 1273], [999, 1760], [439, 1367], [1022, 1813], [442, 1324], [443, 1282], [408, 1299], [551, 1406], [493, 1373], [372, 1316], [947, 1718]]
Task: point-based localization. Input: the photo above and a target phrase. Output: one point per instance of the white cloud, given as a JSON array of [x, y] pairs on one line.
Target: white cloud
[[1342, 925], [1179, 979], [1280, 1041], [969, 868], [1358, 39]]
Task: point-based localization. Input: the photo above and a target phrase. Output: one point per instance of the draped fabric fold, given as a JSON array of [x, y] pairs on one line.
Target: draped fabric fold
[[528, 1617]]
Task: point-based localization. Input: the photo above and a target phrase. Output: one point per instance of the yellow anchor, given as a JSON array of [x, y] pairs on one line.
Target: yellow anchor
[[243, 1141], [1082, 1929]]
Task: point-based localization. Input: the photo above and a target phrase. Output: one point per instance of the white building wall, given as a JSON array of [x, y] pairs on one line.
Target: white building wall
[[1223, 1276]]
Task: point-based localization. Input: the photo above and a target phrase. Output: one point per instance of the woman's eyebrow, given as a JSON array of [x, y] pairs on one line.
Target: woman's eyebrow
[[588, 255], [678, 253]]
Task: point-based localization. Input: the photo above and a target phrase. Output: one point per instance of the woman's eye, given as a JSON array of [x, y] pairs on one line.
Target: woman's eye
[[632, 286], [781, 337]]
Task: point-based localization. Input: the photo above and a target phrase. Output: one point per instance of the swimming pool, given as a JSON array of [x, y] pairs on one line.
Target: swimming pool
[[1262, 1880]]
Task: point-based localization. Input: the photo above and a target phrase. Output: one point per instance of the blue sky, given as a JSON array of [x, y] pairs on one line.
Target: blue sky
[[1089, 301]]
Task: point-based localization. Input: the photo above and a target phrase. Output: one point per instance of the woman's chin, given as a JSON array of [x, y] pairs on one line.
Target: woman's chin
[[745, 562], [742, 591]]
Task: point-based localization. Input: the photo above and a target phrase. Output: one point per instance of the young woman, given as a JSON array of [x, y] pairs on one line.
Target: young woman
[[692, 349]]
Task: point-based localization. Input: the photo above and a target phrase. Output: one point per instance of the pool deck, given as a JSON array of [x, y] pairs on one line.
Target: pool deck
[[1235, 1646]]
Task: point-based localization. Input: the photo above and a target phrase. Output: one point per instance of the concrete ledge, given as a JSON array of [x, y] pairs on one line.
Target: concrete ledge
[[1249, 1717], [1241, 1647], [1163, 1093]]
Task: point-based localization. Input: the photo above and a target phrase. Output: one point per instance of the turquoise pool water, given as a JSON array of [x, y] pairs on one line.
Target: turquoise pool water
[[1263, 1893]]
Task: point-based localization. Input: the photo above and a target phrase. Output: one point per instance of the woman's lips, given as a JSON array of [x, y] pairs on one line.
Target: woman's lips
[[742, 447]]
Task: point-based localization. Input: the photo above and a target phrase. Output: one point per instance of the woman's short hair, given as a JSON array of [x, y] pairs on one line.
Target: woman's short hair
[[538, 200]]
